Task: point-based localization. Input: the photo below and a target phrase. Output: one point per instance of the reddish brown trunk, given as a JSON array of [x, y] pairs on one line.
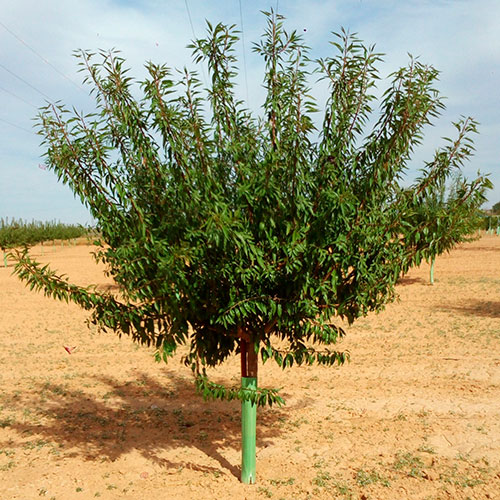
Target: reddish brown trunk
[[249, 359], [243, 349]]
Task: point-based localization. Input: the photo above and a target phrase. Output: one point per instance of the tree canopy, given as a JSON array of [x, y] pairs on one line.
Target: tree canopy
[[235, 233]]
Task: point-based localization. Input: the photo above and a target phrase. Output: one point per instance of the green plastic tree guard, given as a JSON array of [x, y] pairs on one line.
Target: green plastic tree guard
[[248, 433], [249, 369], [432, 271]]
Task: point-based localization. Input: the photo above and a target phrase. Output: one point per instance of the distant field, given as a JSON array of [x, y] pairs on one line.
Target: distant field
[[414, 415]]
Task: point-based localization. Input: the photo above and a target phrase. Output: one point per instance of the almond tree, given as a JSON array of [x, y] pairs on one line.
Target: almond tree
[[237, 234], [449, 218]]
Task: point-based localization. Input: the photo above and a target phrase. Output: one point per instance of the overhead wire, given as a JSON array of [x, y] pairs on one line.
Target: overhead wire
[[18, 38], [16, 126], [195, 38], [46, 61], [244, 52], [189, 16], [20, 78], [26, 82], [17, 97]]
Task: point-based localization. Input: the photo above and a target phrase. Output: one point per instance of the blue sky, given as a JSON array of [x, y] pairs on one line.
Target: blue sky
[[460, 38]]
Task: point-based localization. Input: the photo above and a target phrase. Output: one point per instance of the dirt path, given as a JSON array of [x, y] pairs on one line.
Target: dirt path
[[416, 414]]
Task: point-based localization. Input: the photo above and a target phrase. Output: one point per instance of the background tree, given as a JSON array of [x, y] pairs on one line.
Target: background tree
[[19, 233], [494, 222], [446, 217], [241, 235]]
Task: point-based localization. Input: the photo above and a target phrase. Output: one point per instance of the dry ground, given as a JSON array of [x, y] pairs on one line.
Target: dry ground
[[416, 414]]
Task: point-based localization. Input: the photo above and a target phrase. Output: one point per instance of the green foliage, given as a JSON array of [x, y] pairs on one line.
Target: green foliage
[[223, 229], [496, 209], [442, 219], [259, 397], [411, 464], [19, 233], [490, 222], [365, 478]]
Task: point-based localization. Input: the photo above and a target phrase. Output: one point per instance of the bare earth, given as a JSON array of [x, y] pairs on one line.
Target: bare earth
[[414, 415]]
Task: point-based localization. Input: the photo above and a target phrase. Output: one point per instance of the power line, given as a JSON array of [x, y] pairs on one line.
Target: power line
[[41, 57], [26, 83], [195, 38], [244, 51], [189, 16], [16, 126], [17, 97]]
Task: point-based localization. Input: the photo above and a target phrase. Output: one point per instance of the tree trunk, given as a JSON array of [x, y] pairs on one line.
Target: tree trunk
[[249, 365]]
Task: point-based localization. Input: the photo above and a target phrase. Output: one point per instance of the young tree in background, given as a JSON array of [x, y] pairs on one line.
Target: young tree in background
[[242, 235], [446, 219]]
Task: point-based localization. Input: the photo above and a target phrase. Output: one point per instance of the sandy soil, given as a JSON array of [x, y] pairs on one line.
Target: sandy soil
[[416, 413]]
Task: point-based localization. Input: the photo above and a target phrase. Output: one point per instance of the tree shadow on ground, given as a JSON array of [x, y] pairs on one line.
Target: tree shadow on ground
[[408, 280], [142, 416], [482, 248], [481, 308]]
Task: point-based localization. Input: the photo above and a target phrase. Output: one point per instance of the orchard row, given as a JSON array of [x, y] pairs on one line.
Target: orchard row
[[19, 233]]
